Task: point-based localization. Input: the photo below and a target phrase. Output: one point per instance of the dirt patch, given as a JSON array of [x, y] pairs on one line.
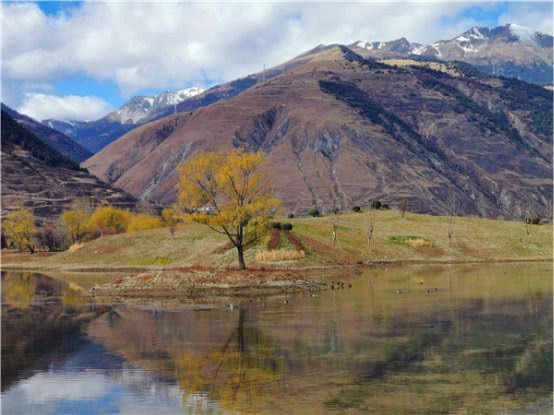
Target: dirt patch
[[294, 241], [275, 239], [107, 250], [192, 284]]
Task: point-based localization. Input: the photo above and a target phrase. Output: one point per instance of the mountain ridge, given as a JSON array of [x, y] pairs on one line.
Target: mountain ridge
[[52, 137], [94, 135], [510, 50], [38, 177], [340, 129], [497, 60]]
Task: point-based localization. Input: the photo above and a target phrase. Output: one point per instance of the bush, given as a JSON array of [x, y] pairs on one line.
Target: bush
[[51, 238], [291, 215], [376, 204], [171, 218], [533, 221], [385, 206], [314, 212], [336, 211], [287, 226], [356, 209], [277, 225], [142, 222]]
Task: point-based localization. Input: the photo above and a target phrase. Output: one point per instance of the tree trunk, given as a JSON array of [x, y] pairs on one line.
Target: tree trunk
[[240, 251]]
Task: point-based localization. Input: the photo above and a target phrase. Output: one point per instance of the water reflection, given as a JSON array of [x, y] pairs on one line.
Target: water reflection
[[420, 340]]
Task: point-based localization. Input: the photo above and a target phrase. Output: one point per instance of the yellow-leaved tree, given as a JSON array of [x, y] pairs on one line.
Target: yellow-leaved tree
[[108, 219], [19, 227], [76, 222], [230, 192]]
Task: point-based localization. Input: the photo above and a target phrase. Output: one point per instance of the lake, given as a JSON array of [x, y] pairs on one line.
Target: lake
[[473, 339]]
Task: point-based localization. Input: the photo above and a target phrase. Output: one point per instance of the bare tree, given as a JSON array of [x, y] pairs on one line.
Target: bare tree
[[403, 207], [452, 206], [335, 224], [549, 209], [529, 218], [370, 226]]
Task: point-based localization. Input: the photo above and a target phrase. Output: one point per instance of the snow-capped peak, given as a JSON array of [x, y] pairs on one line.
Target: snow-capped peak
[[190, 92], [370, 45], [401, 45], [139, 107], [524, 34]]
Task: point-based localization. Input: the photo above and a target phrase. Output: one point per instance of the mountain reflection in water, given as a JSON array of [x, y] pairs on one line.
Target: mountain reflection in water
[[463, 339]]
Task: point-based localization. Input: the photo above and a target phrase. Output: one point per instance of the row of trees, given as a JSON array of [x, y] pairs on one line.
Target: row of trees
[[80, 223], [229, 192]]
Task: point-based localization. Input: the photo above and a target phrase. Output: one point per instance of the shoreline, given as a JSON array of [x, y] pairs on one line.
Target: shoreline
[[195, 283], [268, 268]]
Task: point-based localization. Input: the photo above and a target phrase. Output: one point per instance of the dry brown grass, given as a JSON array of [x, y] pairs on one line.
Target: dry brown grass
[[279, 255], [76, 246], [419, 242]]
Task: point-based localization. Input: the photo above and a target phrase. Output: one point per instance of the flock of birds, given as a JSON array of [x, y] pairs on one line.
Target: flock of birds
[[337, 285]]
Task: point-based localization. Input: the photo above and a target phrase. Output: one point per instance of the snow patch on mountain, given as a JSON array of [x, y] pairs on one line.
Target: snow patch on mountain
[[524, 34], [139, 107]]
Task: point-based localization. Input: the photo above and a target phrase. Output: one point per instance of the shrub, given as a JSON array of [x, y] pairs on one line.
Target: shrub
[[142, 222], [314, 212], [51, 238], [533, 221], [277, 225], [290, 215], [336, 211], [356, 209], [287, 226], [170, 218], [385, 206], [376, 204]]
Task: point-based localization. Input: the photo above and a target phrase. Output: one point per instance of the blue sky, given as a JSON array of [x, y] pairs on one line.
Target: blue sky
[[76, 59]]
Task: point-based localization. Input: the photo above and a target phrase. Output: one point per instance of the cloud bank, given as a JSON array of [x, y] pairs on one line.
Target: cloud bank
[[167, 45], [69, 107]]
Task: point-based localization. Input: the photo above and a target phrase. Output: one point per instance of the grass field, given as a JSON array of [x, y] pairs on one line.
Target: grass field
[[418, 238]]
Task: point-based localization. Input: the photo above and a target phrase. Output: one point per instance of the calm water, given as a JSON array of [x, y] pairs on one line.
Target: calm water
[[460, 339]]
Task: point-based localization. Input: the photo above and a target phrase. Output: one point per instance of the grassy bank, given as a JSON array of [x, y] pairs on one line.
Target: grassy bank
[[414, 238]]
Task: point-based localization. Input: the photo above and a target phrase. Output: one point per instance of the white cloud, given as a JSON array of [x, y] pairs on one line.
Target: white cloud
[[537, 15], [159, 45], [170, 45], [69, 107]]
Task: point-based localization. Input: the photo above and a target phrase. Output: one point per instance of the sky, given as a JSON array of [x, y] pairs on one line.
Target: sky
[[80, 60]]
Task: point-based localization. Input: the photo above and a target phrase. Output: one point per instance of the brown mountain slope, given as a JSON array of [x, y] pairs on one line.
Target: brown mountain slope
[[339, 130], [38, 177]]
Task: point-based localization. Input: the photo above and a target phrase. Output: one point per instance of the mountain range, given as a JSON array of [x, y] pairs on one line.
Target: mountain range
[[340, 129], [510, 50], [343, 125], [94, 135]]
